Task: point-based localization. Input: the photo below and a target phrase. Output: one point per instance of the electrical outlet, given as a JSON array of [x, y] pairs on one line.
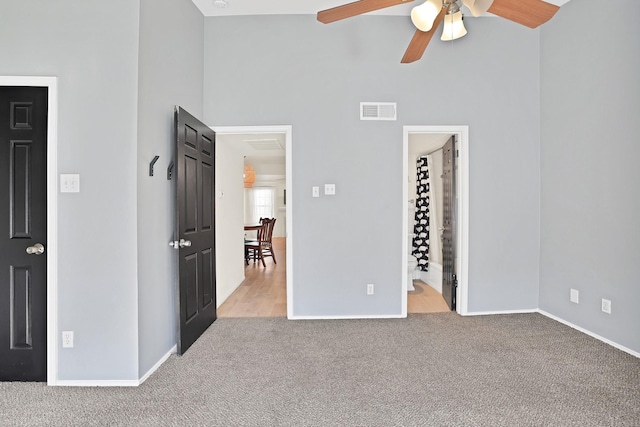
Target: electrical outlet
[[370, 289], [67, 339], [574, 296], [606, 306], [69, 183]]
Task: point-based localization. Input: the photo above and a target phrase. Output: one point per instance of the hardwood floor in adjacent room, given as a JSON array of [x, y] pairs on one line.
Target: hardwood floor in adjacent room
[[425, 299], [263, 293]]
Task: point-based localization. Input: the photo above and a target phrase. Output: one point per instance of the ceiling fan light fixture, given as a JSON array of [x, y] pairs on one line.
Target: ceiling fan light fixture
[[478, 7], [423, 16], [453, 27]]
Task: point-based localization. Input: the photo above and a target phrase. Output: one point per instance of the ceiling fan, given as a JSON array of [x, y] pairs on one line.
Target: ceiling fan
[[428, 16]]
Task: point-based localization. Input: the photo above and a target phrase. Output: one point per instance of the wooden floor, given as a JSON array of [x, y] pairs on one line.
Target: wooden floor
[[263, 293], [425, 299]]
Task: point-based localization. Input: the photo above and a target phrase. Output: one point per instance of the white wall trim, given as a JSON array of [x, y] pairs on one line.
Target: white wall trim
[[159, 363], [52, 212], [497, 312], [591, 334], [98, 383], [288, 132], [463, 210], [355, 316]]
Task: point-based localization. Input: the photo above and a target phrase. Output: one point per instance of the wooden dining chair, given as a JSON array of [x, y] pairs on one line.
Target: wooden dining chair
[[258, 250]]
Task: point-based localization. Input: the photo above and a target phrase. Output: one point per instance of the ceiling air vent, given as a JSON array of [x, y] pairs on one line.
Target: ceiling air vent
[[378, 111], [262, 144]]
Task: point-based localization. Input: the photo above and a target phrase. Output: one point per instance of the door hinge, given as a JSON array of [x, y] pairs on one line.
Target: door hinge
[[457, 153]]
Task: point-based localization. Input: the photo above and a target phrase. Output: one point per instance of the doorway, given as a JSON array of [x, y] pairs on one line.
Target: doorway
[[274, 176], [439, 135], [51, 212]]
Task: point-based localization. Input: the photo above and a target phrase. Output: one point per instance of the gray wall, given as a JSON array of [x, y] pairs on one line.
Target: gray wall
[[590, 237], [170, 74], [293, 70], [92, 47]]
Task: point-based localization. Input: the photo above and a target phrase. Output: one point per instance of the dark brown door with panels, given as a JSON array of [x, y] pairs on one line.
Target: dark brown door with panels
[[195, 227], [23, 236], [449, 279]]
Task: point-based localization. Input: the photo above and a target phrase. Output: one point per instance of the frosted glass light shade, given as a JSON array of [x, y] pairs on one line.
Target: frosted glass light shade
[[453, 27], [478, 7], [423, 16]]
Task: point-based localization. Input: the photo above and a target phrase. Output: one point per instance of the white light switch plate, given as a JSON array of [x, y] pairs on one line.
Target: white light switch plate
[[69, 183], [330, 189], [315, 191]]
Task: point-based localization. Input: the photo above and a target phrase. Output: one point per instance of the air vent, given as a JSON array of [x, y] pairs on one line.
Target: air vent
[[378, 111], [264, 144]]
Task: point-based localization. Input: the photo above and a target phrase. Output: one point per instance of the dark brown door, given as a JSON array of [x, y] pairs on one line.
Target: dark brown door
[[23, 218], [195, 227], [449, 281]]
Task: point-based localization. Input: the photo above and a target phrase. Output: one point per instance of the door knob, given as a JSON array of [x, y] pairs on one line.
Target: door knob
[[175, 244], [36, 249]]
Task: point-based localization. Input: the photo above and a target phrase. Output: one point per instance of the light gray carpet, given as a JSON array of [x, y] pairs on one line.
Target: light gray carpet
[[427, 370]]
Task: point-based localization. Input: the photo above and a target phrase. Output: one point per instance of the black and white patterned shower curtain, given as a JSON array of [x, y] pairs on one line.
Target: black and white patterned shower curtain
[[421, 222]]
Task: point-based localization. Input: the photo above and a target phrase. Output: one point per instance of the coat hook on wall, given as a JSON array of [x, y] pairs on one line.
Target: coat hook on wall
[[153, 162], [170, 171]]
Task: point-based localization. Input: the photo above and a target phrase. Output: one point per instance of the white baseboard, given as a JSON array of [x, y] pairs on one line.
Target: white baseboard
[[117, 383], [97, 383], [355, 316], [490, 313], [155, 367], [591, 334]]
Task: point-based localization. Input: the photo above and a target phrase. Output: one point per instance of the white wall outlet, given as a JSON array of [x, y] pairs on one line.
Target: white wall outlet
[[67, 339], [606, 305], [329, 189], [69, 183], [574, 296], [315, 191], [370, 289]]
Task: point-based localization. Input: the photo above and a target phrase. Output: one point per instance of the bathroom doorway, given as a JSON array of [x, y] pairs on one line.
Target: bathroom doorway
[[426, 143]]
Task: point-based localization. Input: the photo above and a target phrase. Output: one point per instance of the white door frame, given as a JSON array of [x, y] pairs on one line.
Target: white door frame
[[51, 83], [462, 232], [287, 131]]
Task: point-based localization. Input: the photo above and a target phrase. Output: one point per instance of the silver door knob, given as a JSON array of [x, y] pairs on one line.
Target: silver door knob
[[175, 244], [36, 249]]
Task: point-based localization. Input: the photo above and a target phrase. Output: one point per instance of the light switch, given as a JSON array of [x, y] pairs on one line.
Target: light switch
[[330, 189], [69, 183], [315, 191]]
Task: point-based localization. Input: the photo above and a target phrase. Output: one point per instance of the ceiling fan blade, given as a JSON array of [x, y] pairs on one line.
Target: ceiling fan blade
[[421, 40], [531, 13], [355, 8]]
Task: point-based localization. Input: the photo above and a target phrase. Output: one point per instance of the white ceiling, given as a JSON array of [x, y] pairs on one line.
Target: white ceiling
[[298, 7]]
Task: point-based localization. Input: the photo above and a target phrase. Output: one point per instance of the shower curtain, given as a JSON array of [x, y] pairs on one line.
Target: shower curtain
[[421, 221]]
